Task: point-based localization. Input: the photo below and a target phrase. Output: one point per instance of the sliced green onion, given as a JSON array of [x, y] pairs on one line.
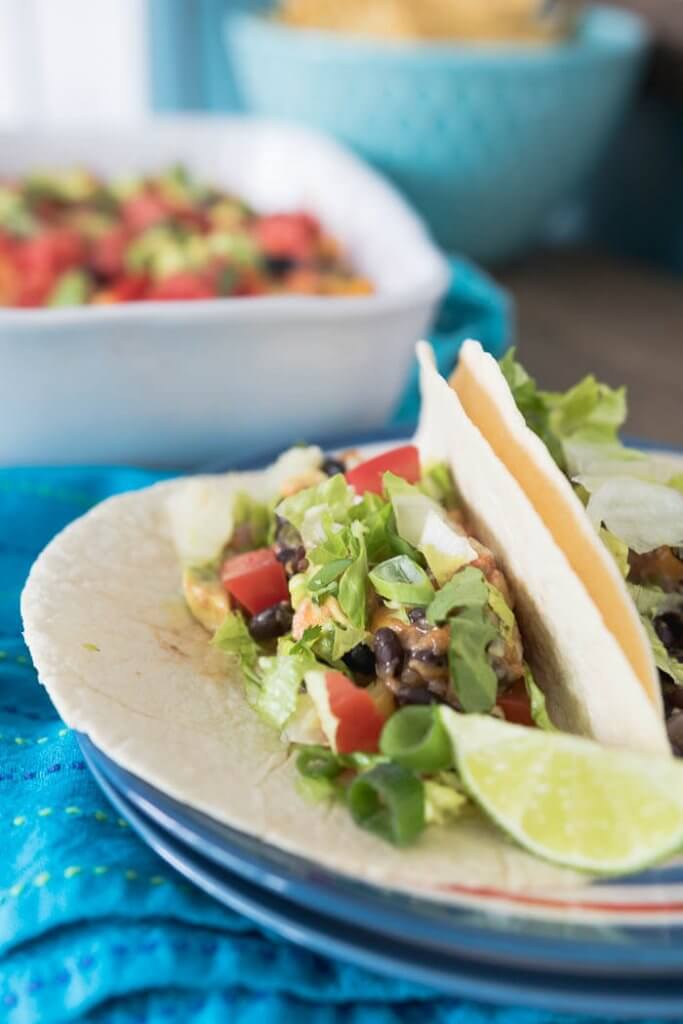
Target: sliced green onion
[[328, 574], [389, 801], [401, 579], [416, 738], [319, 763]]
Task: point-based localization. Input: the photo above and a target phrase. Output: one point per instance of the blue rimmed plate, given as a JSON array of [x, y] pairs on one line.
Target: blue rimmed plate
[[466, 977]]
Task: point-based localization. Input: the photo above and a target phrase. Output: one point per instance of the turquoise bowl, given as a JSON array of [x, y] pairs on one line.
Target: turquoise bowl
[[485, 140]]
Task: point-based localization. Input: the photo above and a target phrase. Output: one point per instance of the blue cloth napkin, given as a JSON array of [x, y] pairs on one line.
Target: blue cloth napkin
[[474, 307]]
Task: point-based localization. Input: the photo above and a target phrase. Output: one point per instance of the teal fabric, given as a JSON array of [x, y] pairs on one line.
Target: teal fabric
[[93, 926], [474, 307]]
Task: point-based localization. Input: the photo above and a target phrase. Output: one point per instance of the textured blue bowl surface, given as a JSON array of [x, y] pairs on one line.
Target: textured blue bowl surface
[[486, 140]]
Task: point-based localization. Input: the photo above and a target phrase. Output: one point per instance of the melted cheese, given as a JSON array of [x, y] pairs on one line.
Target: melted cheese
[[487, 400]]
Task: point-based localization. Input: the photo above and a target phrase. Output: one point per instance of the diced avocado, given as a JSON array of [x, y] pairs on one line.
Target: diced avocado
[[237, 246], [206, 597], [15, 216], [71, 289]]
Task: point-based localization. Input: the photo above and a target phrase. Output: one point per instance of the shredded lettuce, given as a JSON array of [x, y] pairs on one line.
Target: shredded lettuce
[[233, 637], [644, 516], [474, 680], [280, 681], [313, 510], [539, 711], [663, 660], [588, 412], [353, 583], [258, 515], [467, 589], [403, 580], [437, 483], [617, 548], [411, 508], [652, 602], [502, 610], [445, 550]]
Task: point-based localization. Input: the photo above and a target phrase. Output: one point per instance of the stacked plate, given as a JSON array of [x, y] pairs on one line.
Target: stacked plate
[[615, 948]]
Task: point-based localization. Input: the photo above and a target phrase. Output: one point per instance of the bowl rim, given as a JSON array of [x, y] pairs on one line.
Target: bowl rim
[[241, 309], [607, 31]]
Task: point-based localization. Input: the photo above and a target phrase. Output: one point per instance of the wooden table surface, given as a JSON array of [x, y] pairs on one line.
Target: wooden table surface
[[580, 312]]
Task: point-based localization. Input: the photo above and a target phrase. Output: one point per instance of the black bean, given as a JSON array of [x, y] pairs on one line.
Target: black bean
[[429, 657], [415, 695], [271, 622], [332, 466], [388, 653], [417, 614], [674, 728], [360, 659], [671, 692], [669, 629], [279, 265], [286, 535]]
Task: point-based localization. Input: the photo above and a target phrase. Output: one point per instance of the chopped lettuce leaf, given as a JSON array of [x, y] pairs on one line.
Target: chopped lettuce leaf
[[280, 677], [305, 509], [644, 516], [256, 514], [676, 482], [445, 550], [539, 711], [590, 411], [411, 512], [531, 403], [233, 637], [473, 679], [467, 589], [617, 548], [663, 660], [329, 573], [376, 516], [653, 601], [403, 580], [353, 586], [437, 483], [502, 610], [443, 802]]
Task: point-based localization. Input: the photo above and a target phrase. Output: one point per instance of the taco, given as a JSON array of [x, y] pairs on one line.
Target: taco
[[615, 513], [318, 654]]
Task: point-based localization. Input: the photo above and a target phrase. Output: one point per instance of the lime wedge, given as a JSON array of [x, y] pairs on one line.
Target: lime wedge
[[567, 799]]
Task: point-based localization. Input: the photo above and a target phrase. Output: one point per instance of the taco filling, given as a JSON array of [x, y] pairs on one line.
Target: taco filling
[[634, 501], [349, 590]]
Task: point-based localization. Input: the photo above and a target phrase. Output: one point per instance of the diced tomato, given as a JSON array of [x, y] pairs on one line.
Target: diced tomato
[[107, 252], [360, 722], [184, 285], [250, 282], [51, 252], [256, 579], [515, 704], [403, 462], [129, 288], [142, 211], [293, 235]]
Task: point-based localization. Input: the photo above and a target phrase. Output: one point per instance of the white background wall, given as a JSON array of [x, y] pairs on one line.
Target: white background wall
[[66, 60]]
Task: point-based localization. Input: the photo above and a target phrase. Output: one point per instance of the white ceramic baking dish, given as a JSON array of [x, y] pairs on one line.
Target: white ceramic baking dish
[[177, 384]]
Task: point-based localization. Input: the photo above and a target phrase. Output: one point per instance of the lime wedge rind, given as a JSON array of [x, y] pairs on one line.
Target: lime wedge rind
[[568, 800]]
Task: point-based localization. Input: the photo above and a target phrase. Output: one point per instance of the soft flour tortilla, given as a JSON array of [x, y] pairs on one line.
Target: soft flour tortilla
[[589, 683], [161, 702], [488, 401]]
